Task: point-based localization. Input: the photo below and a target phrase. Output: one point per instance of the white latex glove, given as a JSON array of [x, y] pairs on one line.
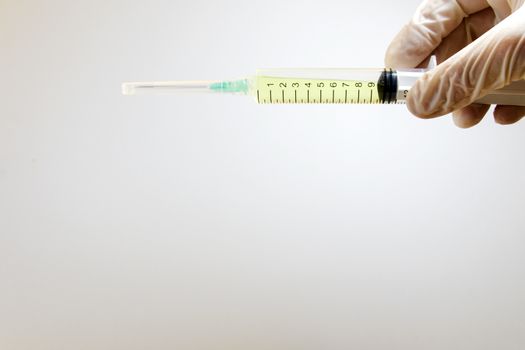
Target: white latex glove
[[480, 45]]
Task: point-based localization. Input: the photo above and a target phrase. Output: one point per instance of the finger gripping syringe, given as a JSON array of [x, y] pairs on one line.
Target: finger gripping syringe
[[321, 85]]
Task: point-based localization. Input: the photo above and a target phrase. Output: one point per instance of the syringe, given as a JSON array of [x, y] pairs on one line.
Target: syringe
[[322, 85]]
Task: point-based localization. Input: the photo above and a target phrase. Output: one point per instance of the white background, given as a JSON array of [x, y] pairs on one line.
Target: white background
[[210, 222]]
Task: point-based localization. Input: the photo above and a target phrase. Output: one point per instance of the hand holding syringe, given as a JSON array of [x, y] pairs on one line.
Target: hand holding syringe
[[480, 44]]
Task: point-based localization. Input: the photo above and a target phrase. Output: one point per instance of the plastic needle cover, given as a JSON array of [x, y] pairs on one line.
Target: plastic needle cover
[[167, 87]]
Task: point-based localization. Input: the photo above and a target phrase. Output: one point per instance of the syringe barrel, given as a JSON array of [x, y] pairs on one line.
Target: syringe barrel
[[318, 85], [352, 86]]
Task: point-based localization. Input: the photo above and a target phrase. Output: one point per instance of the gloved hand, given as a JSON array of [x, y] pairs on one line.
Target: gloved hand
[[480, 46]]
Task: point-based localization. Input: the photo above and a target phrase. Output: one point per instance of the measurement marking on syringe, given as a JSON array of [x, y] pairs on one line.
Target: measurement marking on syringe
[[316, 91]]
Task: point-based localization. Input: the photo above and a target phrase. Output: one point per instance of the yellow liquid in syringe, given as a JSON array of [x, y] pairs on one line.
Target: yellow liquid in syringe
[[299, 90]]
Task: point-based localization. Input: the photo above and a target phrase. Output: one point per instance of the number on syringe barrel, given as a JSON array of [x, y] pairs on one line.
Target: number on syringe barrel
[[321, 85]]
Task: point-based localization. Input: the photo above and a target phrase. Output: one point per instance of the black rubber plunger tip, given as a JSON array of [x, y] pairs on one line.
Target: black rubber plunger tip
[[387, 86]]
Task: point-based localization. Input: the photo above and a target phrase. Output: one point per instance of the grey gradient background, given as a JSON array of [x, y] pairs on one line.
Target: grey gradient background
[[188, 222]]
